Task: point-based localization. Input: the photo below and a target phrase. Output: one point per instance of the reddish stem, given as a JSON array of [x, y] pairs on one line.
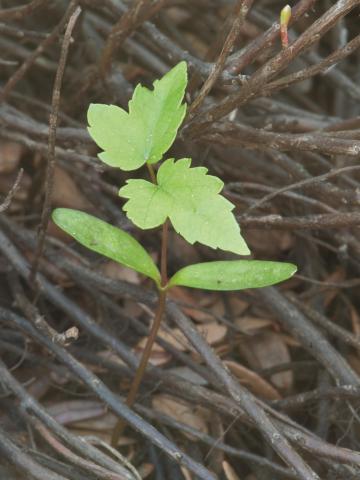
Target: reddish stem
[[120, 425]]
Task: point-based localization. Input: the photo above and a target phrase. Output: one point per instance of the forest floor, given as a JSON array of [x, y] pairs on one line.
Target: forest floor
[[256, 384]]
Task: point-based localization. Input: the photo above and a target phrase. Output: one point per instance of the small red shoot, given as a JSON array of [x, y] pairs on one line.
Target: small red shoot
[[285, 16]]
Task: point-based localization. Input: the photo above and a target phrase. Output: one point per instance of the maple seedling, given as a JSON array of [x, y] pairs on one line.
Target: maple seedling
[[178, 194]]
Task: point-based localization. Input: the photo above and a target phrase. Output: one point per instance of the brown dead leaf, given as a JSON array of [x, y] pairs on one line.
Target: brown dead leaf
[[237, 305], [212, 332], [252, 325], [118, 272], [355, 320], [267, 350], [211, 302], [178, 15], [269, 242], [290, 341], [201, 48], [339, 275], [229, 471], [66, 193], [217, 307], [110, 356], [181, 411], [54, 273], [184, 296], [145, 469], [132, 309], [186, 473], [159, 356], [175, 338], [223, 349], [184, 253], [10, 154], [76, 411], [102, 427], [354, 362], [256, 384]]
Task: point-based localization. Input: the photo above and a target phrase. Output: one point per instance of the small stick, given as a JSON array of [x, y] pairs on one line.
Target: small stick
[[55, 103], [301, 184], [30, 60], [17, 13], [241, 11], [23, 461], [5, 204]]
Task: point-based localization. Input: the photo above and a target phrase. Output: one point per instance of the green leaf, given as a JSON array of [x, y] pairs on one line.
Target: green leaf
[[110, 241], [129, 140], [233, 274], [191, 200]]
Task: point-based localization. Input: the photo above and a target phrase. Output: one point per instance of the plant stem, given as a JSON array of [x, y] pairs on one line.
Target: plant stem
[[163, 258], [152, 173], [147, 350], [120, 425]]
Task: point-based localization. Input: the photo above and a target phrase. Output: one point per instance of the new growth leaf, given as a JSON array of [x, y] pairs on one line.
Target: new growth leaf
[[109, 241], [191, 200], [147, 131], [233, 274]]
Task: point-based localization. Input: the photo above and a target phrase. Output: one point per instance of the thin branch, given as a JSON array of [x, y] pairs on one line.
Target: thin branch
[[301, 184], [243, 397], [311, 222], [302, 400], [17, 13], [104, 393], [29, 405], [19, 74], [275, 65], [246, 56], [6, 203], [40, 322], [322, 321], [87, 465], [309, 336], [319, 68], [139, 11], [236, 134], [51, 161], [241, 10], [11, 452]]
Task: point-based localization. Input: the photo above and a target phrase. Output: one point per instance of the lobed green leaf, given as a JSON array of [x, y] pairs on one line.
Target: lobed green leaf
[[110, 241], [233, 274], [147, 131], [191, 200]]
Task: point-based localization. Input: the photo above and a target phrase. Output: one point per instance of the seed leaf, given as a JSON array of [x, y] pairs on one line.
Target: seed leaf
[[191, 200], [129, 140], [110, 241], [233, 274]]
